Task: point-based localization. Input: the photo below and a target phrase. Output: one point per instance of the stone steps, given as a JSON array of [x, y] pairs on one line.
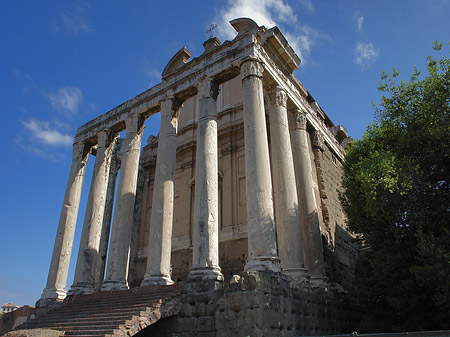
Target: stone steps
[[111, 313]]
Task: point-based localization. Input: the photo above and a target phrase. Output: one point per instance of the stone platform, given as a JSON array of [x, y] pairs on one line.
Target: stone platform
[[258, 304]]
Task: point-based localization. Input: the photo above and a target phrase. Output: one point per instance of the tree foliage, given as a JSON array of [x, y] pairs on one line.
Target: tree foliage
[[396, 194]]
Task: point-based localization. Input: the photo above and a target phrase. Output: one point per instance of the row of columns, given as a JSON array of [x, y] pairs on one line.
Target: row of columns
[[275, 247]]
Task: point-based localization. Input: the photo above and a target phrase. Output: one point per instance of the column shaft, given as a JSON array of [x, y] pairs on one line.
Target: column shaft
[[55, 289], [262, 246], [206, 215], [289, 229], [93, 219], [117, 268], [312, 241], [106, 227], [160, 235]]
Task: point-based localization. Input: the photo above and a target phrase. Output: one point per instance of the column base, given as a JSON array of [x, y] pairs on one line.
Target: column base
[[205, 273], [51, 296], [110, 285], [263, 263], [156, 280], [298, 277], [319, 283], [81, 289]]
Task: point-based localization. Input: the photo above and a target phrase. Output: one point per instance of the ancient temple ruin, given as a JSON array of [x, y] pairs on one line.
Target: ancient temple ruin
[[242, 179]]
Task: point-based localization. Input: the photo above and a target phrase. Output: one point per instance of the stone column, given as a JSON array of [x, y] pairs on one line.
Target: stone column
[[312, 241], [289, 229], [55, 289], [106, 227], [93, 219], [206, 215], [117, 268], [262, 246], [160, 235]]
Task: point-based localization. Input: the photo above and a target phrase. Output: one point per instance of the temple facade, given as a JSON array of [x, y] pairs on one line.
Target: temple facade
[[243, 177]]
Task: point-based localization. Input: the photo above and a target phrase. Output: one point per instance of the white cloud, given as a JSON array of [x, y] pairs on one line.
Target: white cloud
[[151, 74], [42, 131], [66, 99], [74, 23], [359, 20], [73, 18], [365, 53], [263, 12], [269, 13], [308, 5]]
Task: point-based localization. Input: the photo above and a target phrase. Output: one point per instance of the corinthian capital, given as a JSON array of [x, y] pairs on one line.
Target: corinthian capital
[[300, 120], [81, 152], [208, 88], [318, 140], [251, 67], [278, 97]]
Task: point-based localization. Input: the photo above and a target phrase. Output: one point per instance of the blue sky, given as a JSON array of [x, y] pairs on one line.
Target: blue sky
[[62, 63]]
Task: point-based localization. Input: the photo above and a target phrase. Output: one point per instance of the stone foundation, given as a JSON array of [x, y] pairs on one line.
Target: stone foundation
[[258, 304]]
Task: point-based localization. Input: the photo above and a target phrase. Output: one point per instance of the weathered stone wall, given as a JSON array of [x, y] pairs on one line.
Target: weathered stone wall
[[259, 304], [340, 249], [10, 320]]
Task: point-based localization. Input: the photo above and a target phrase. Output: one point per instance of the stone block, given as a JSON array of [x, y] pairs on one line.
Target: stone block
[[205, 323], [248, 318], [199, 309], [186, 324], [186, 310], [225, 319]]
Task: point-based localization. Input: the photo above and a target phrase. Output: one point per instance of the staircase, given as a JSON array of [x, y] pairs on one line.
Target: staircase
[[111, 313]]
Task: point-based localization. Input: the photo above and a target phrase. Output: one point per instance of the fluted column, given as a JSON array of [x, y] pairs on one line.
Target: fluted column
[[262, 246], [107, 217], [118, 257], [289, 229], [55, 289], [312, 241], [160, 235], [92, 227], [206, 205]]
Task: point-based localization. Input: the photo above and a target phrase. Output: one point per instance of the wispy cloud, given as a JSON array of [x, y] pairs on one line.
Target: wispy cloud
[[269, 13], [308, 5], [47, 135], [365, 54], [44, 153], [66, 99], [359, 20], [44, 139], [74, 23], [151, 74], [73, 20]]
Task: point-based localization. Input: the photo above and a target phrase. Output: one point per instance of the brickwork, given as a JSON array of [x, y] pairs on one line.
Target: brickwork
[[340, 249]]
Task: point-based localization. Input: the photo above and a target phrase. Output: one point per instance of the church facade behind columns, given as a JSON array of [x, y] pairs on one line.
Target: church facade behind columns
[[242, 178]]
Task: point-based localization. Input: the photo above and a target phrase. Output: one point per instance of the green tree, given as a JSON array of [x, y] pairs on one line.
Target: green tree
[[396, 194]]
